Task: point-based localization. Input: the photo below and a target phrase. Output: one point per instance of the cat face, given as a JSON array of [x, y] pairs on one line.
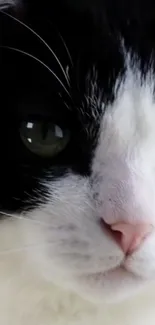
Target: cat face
[[77, 142]]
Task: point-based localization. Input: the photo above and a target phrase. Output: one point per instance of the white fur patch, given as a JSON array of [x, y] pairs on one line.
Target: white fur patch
[[26, 297]]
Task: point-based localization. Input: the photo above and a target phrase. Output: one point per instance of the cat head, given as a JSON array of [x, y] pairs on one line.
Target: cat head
[[77, 141]]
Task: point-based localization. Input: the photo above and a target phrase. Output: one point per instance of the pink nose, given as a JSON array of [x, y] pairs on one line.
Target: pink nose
[[130, 237]]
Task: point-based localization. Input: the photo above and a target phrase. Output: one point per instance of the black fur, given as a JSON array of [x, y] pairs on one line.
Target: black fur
[[93, 32]]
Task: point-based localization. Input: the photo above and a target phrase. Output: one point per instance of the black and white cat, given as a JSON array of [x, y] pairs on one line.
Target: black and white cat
[[77, 162]]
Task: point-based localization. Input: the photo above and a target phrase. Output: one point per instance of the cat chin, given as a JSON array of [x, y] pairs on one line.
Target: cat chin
[[110, 287]]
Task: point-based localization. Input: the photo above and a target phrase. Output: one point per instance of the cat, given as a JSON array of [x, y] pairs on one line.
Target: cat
[[77, 166]]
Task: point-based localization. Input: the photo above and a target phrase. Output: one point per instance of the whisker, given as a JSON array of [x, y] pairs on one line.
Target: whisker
[[41, 62], [67, 105], [5, 5], [66, 48], [20, 217], [42, 40], [24, 248]]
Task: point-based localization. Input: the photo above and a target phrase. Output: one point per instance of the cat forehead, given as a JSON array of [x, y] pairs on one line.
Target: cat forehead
[[131, 106]]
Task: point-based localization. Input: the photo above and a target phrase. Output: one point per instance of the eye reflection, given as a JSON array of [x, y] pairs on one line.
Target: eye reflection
[[44, 138]]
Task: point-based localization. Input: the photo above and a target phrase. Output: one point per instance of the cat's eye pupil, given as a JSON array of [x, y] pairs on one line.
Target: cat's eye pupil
[[44, 138]]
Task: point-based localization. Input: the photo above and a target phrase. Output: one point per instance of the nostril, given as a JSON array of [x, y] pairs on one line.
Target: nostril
[[128, 236], [108, 228], [132, 236], [115, 235]]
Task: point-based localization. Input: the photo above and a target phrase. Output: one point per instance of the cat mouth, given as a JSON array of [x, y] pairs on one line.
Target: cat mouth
[[122, 270]]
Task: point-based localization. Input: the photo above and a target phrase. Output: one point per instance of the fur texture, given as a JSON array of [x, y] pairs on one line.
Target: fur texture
[[86, 75]]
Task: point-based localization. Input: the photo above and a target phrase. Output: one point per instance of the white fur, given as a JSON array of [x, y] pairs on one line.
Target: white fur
[[57, 265], [26, 297]]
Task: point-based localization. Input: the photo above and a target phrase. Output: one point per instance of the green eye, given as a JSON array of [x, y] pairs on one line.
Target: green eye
[[44, 138]]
